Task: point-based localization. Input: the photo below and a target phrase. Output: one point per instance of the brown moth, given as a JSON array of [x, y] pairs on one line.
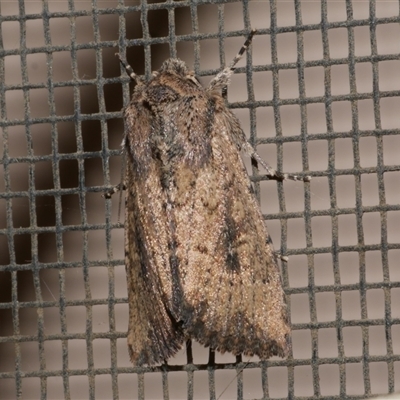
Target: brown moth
[[199, 261]]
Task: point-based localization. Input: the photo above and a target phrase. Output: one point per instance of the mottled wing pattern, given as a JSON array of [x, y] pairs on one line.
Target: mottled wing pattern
[[199, 260], [232, 295], [153, 334]]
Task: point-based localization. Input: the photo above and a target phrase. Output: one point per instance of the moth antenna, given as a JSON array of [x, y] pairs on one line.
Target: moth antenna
[[239, 55], [222, 78], [129, 70]]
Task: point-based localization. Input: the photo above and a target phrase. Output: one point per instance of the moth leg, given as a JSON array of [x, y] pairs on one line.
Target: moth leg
[[271, 172], [277, 254], [211, 356], [281, 257], [189, 353], [121, 186], [115, 189]]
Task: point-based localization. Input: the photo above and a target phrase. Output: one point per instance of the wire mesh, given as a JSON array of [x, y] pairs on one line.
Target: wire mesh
[[319, 93]]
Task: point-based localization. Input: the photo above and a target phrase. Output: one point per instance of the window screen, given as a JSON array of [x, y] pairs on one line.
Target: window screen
[[317, 93]]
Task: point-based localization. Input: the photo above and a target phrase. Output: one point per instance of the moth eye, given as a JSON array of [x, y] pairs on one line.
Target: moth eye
[[193, 79]]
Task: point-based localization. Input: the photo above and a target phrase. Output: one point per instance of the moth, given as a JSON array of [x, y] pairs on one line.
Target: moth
[[199, 261]]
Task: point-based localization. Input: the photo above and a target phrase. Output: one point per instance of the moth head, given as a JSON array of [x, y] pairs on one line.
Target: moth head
[[177, 67]]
